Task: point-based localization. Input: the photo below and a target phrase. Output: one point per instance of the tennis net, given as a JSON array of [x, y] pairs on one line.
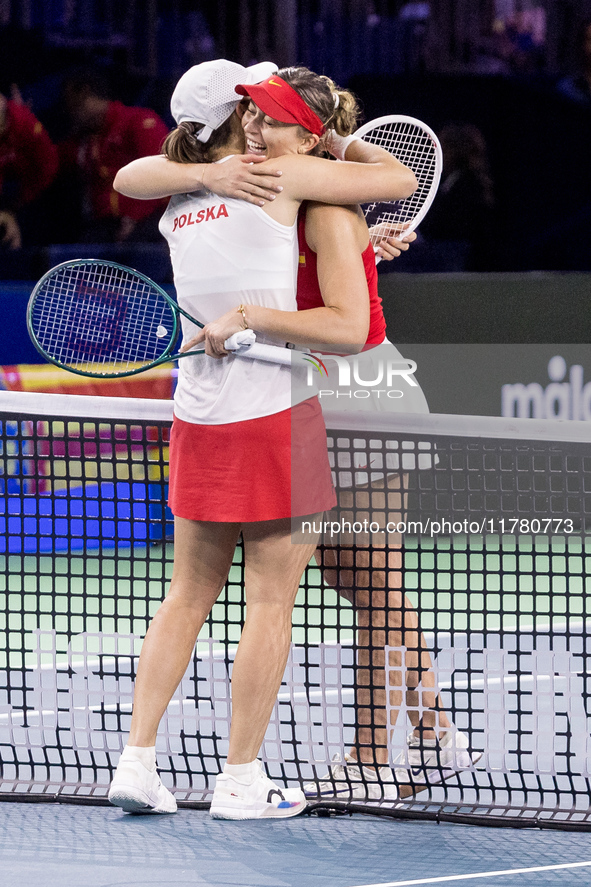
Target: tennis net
[[471, 619]]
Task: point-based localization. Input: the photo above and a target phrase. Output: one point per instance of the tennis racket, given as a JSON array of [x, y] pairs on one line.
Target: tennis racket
[[103, 319], [416, 145]]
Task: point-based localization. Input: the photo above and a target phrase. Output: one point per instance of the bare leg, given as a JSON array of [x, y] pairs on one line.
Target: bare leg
[[371, 579], [203, 554], [385, 617], [274, 567]]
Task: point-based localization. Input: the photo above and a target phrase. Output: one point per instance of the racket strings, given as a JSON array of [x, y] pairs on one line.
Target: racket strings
[[96, 314], [416, 149]]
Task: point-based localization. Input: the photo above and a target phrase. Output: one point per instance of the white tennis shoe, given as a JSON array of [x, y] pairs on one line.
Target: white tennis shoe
[[259, 799], [136, 789], [345, 780], [431, 761]]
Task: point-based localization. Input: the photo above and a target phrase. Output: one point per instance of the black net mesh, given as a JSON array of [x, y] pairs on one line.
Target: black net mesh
[[473, 632]]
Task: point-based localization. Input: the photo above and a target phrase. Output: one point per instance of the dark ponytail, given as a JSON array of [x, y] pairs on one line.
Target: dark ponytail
[[183, 146]]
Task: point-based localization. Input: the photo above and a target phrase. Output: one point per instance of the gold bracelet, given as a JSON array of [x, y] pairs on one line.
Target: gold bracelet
[[241, 310]]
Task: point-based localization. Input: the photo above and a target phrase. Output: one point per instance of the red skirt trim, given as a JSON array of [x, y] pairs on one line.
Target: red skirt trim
[[260, 469]]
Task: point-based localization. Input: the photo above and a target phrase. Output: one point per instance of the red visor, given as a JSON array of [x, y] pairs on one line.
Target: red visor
[[279, 100]]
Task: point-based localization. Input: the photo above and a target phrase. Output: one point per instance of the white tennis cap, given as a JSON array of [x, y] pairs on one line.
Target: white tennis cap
[[206, 92]]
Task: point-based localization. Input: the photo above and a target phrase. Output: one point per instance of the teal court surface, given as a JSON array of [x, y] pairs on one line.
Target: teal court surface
[[46, 845]]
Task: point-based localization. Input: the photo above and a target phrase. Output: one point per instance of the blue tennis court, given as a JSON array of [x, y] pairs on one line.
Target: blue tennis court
[[69, 846], [504, 619]]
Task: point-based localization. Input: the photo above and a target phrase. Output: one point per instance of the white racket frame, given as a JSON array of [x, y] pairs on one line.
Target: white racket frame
[[401, 118]]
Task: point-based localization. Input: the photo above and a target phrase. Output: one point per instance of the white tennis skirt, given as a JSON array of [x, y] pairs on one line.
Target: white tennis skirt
[[379, 382]]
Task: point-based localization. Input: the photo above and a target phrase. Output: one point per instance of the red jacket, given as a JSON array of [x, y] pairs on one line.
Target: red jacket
[[127, 133], [28, 158]]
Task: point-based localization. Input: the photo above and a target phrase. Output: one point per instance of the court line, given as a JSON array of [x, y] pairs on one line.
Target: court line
[[542, 868]]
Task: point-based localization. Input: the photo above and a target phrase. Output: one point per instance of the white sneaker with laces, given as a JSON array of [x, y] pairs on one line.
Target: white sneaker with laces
[[259, 799], [345, 780], [138, 789], [431, 761]]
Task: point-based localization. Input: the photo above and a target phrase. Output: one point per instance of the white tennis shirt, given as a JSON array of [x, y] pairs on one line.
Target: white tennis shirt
[[226, 252]]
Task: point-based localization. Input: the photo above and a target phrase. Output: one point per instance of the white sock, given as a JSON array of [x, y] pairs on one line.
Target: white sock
[[146, 756], [243, 772]]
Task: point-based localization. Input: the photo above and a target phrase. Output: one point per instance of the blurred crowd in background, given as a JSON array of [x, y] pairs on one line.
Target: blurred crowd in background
[[85, 85]]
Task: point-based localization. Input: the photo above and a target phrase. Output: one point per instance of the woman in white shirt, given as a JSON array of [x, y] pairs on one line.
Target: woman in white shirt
[[239, 446]]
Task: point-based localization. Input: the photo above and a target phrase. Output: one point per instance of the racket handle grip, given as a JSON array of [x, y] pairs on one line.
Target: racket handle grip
[[268, 353], [240, 340], [244, 344]]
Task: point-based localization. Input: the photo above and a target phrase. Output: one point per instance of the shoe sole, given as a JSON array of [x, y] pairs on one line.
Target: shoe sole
[[269, 812], [132, 801]]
